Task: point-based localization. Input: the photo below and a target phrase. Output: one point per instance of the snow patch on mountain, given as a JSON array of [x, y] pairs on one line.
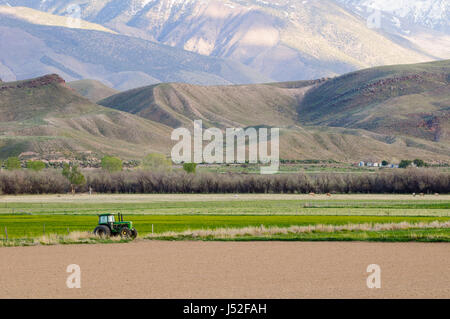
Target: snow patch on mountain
[[433, 14]]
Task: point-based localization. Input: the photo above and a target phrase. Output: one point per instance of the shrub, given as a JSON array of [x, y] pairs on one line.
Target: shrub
[[36, 165], [112, 164], [419, 163], [66, 170], [12, 163], [190, 168], [156, 162], [405, 164], [74, 176]]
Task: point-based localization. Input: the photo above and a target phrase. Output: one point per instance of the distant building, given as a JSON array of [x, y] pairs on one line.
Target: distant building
[[28, 155], [361, 164]]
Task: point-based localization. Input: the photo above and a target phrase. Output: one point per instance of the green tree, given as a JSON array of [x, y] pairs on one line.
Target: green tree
[[112, 164], [66, 170], [385, 163], [75, 177], [405, 163], [156, 162], [190, 168], [36, 165], [419, 162], [12, 163]]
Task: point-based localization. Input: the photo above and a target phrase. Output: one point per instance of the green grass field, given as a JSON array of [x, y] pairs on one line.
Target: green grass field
[[26, 216], [19, 226], [237, 205]]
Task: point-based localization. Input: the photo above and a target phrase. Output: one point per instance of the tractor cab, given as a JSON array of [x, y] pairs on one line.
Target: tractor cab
[[108, 226], [107, 220]]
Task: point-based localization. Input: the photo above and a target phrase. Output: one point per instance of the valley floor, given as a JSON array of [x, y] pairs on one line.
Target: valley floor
[[68, 218], [150, 198], [227, 270]]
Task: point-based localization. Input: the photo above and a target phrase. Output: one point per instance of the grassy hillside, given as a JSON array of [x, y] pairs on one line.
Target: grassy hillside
[[44, 116], [354, 145], [388, 113], [410, 100], [92, 90], [176, 104]]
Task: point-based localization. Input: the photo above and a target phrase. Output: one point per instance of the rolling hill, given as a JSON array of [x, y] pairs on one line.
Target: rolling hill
[[412, 100], [389, 113], [399, 111], [177, 104], [44, 116], [92, 90], [284, 40]]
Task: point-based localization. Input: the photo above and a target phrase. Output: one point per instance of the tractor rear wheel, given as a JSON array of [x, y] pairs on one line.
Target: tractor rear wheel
[[125, 232], [102, 231], [134, 233]]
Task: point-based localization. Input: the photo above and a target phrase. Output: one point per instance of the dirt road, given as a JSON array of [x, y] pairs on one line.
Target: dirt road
[[227, 270]]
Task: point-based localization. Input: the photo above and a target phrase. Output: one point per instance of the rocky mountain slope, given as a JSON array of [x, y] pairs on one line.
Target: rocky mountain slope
[[283, 40], [405, 15], [418, 23], [29, 49]]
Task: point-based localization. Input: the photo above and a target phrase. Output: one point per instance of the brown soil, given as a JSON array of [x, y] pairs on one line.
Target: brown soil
[[227, 270]]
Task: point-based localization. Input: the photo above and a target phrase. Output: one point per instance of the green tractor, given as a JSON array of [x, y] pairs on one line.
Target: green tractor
[[107, 226]]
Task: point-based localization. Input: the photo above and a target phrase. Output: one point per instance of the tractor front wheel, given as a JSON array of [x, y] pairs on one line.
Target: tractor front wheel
[[102, 231], [134, 233], [125, 232]]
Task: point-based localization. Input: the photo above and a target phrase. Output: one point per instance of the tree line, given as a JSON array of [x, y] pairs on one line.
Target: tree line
[[406, 181]]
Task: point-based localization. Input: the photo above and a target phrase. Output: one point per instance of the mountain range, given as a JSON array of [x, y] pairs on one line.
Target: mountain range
[[423, 24], [384, 113], [346, 80], [29, 50], [405, 16], [214, 42]]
